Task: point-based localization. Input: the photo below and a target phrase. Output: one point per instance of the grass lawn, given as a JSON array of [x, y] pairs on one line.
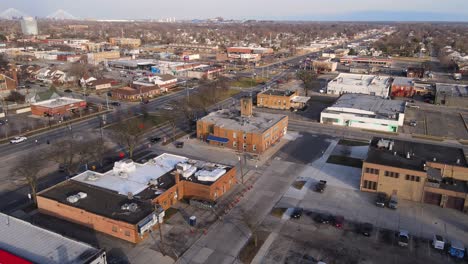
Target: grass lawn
[[345, 161], [352, 143], [247, 82], [278, 211], [249, 251], [229, 93]]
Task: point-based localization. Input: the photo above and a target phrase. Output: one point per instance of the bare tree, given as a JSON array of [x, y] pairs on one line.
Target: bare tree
[[27, 168], [69, 153], [128, 133], [307, 78], [99, 150]]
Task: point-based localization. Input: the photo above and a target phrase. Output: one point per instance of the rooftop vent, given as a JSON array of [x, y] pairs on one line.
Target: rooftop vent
[[132, 207], [75, 198], [92, 177], [434, 159]]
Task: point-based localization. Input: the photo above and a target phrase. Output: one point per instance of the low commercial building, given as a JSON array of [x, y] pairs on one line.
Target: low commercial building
[[136, 92], [129, 200], [324, 64], [451, 94], [163, 81], [360, 84], [281, 99], [129, 42], [98, 57], [207, 72], [420, 172], [24, 243], [7, 83], [247, 53], [101, 84], [244, 131], [403, 87], [366, 112], [364, 60], [415, 72], [59, 106]]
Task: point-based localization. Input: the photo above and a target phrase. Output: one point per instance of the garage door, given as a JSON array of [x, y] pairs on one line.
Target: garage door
[[432, 198], [455, 203]]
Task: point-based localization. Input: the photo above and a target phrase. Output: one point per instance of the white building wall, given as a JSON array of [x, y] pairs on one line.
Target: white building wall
[[345, 119]]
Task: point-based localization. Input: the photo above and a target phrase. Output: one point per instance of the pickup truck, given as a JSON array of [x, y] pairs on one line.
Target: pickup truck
[[320, 186]]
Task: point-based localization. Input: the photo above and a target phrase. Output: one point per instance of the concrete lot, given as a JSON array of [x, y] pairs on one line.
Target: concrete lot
[[436, 121]]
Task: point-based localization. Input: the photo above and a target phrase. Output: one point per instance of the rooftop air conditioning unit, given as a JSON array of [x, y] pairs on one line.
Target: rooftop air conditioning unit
[[82, 195], [73, 198], [92, 177], [132, 207]]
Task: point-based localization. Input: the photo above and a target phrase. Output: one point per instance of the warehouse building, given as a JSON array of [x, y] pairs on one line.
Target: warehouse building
[[244, 131], [366, 112], [418, 172], [451, 94], [59, 106], [129, 200], [360, 84], [24, 243]]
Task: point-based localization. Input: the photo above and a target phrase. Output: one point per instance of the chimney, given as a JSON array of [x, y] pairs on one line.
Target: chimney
[[246, 106], [177, 177]]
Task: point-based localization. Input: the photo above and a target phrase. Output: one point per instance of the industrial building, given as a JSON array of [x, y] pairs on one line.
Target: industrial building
[[24, 243], [403, 87], [360, 84], [418, 172], [281, 99], [366, 112], [29, 26], [58, 106], [244, 131], [451, 94], [129, 200]]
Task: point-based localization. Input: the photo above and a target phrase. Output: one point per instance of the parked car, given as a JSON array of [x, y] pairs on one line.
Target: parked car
[[115, 103], [68, 91], [179, 144], [457, 249], [403, 238], [154, 139], [381, 199], [2, 122], [145, 101], [338, 221], [323, 218], [438, 242], [168, 107], [413, 123], [366, 229], [393, 203], [16, 140], [297, 213], [320, 186]]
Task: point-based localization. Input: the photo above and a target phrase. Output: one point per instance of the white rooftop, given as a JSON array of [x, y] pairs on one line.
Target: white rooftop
[[58, 102], [39, 245], [361, 84], [128, 176]]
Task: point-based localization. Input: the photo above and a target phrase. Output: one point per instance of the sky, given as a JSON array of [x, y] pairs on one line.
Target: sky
[[373, 10]]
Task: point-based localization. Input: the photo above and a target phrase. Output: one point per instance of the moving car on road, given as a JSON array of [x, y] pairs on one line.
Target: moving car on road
[[16, 140], [323, 218], [338, 221], [154, 139]]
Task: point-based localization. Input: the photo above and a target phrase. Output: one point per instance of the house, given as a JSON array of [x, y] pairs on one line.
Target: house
[[365, 111], [244, 131], [403, 87], [419, 172], [24, 243], [128, 201], [35, 97]]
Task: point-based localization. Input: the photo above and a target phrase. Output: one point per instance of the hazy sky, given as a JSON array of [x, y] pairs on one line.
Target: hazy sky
[[250, 9]]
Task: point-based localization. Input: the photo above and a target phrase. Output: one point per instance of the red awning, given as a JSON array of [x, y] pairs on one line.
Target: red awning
[[8, 258]]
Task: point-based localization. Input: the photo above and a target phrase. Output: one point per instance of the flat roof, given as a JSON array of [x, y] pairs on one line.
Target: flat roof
[[278, 92], [58, 102], [39, 245], [452, 89], [367, 105], [403, 81], [420, 153], [360, 83], [231, 119]]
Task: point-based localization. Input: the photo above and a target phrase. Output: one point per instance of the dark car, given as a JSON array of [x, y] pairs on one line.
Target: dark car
[[145, 102], [68, 91], [338, 221], [115, 103], [154, 139], [381, 199], [297, 213], [366, 229], [320, 186], [179, 144], [323, 218]]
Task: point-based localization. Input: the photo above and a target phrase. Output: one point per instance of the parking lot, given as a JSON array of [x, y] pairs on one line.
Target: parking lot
[[436, 121]]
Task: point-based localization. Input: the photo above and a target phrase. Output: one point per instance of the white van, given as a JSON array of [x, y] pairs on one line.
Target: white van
[[438, 242]]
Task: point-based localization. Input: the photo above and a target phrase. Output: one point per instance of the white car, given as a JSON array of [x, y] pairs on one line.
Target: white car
[[18, 140]]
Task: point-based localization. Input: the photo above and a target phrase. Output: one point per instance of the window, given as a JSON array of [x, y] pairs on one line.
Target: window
[[234, 135], [371, 185], [392, 174], [244, 146], [329, 120], [413, 178], [234, 144], [372, 171], [114, 229], [245, 136], [254, 147], [127, 233]]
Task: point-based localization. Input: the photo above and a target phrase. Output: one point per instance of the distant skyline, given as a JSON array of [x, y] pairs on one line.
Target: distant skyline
[[332, 10]]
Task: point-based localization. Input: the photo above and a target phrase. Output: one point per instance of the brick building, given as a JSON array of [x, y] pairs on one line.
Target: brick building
[[127, 201], [58, 106], [281, 99], [418, 172], [136, 93], [7, 83], [244, 131], [130, 42], [402, 87]]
